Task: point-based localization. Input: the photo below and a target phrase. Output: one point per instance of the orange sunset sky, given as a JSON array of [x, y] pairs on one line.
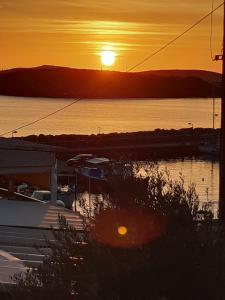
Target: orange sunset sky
[[74, 32]]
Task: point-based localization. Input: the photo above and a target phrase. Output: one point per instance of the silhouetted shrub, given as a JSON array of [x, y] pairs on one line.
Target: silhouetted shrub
[[166, 253]]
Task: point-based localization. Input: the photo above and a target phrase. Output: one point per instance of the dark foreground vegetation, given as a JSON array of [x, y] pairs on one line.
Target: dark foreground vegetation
[[60, 82], [172, 248]]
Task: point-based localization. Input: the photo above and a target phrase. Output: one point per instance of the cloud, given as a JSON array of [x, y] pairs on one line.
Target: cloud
[[86, 26], [161, 11]]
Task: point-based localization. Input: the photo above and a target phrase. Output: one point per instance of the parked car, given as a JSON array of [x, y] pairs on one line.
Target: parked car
[[65, 200], [42, 195]]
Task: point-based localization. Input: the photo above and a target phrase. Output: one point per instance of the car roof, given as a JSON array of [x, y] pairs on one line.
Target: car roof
[[42, 192]]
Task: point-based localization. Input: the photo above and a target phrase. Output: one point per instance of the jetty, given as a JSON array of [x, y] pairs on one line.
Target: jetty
[[135, 145]]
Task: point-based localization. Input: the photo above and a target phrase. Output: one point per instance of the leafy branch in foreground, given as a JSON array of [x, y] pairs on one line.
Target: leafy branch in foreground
[[166, 253]]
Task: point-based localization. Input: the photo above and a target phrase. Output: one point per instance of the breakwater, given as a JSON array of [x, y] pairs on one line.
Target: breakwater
[[136, 145]]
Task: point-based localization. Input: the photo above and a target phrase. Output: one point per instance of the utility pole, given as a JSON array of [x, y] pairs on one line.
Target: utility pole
[[222, 137], [213, 113]]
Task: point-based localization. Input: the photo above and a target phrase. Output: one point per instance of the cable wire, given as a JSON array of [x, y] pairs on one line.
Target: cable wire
[[176, 38], [132, 68], [42, 118]]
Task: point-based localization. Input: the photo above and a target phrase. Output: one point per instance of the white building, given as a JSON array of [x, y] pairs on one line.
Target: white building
[[22, 161], [24, 223]]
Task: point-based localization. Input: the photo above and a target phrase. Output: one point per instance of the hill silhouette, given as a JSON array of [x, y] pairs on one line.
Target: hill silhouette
[[62, 82], [211, 77]]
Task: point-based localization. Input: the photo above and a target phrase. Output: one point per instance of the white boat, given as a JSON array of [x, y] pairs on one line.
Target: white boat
[[90, 166], [79, 159], [92, 173]]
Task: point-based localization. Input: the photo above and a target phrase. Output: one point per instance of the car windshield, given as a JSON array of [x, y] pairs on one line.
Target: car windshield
[[46, 197]]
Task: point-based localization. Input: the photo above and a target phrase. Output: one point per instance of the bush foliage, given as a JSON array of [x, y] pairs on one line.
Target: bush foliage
[[167, 252]]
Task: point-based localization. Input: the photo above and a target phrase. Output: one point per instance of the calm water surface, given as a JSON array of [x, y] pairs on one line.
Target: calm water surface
[[94, 116], [204, 173]]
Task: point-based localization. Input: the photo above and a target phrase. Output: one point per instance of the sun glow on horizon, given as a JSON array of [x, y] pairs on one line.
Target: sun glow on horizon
[[108, 58]]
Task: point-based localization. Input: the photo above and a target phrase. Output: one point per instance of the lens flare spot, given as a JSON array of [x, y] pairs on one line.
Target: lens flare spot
[[128, 227], [122, 230]]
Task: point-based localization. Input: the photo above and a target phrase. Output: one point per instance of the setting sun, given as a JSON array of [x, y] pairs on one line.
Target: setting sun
[[108, 58]]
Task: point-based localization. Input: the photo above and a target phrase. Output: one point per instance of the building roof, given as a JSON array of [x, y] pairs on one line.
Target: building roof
[[23, 226], [35, 214], [19, 144]]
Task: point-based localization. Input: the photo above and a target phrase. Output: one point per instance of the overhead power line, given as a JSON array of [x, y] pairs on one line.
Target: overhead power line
[[42, 118], [176, 38], [132, 68]]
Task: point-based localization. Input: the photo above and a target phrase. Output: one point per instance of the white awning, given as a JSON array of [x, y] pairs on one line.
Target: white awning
[[9, 266]]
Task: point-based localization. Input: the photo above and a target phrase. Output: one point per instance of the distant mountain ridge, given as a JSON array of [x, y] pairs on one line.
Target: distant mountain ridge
[[63, 82]]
